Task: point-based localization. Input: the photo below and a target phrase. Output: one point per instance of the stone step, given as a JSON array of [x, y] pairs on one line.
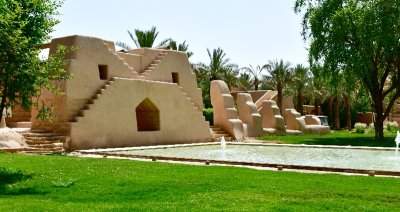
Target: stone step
[[226, 139], [47, 146], [219, 131], [25, 124], [18, 119], [33, 142], [47, 135], [45, 151], [220, 135]]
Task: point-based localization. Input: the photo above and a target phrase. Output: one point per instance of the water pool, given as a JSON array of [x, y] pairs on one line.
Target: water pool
[[290, 156]]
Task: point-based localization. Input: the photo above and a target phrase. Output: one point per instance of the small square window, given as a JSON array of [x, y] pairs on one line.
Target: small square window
[[103, 72], [175, 78]]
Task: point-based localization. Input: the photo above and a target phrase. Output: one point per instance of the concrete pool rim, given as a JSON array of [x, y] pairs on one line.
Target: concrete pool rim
[[109, 153]]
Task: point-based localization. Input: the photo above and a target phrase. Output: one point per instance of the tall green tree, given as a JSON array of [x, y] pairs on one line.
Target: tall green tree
[[362, 37], [318, 87], [256, 74], [279, 76], [300, 82], [24, 25], [141, 38], [219, 68], [244, 82]]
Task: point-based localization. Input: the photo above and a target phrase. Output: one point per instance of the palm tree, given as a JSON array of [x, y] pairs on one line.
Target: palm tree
[[319, 87], [299, 83], [279, 76], [141, 38], [219, 68], [182, 47], [256, 74], [244, 82]]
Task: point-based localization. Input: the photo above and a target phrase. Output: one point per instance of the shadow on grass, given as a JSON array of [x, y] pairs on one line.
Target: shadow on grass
[[9, 178]]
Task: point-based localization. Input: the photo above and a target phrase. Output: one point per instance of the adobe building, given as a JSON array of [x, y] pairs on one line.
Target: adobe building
[[118, 99]]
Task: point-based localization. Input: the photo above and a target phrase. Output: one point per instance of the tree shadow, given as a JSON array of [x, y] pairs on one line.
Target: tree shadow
[[9, 178]]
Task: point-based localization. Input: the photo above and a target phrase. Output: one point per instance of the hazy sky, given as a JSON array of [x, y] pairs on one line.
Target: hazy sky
[[250, 32]]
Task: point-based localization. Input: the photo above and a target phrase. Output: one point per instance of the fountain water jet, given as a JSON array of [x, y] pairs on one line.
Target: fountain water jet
[[223, 144], [397, 140]]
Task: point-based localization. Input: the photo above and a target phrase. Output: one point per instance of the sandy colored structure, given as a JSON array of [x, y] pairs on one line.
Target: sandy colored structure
[[256, 117], [310, 124], [225, 113], [248, 113], [272, 118], [117, 99]]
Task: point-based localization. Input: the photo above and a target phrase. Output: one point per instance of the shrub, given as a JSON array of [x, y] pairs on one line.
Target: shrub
[[371, 128], [392, 125], [360, 127], [208, 113]]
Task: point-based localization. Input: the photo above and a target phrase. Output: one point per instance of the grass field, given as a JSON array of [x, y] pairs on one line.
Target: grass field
[[341, 138], [62, 183]]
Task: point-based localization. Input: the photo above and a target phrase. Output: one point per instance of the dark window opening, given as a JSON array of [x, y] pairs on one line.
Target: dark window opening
[[103, 72], [175, 77], [147, 116]]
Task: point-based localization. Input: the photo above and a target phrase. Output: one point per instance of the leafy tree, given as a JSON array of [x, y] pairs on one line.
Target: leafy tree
[[279, 76], [219, 68], [300, 81], [24, 25], [244, 82], [256, 74], [361, 37], [141, 38], [318, 87], [182, 47]]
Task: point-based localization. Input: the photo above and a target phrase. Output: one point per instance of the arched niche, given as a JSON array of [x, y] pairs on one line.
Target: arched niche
[[147, 116]]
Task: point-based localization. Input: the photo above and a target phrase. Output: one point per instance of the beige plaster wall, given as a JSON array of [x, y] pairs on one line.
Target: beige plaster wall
[[249, 115], [177, 62], [268, 95], [111, 120], [225, 113], [83, 64], [271, 116], [148, 56]]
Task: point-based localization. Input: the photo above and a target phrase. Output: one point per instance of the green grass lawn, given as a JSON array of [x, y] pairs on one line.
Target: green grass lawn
[[342, 138], [62, 183]]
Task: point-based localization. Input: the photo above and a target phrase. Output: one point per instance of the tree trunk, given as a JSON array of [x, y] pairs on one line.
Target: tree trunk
[[3, 102], [330, 108], [316, 106], [299, 106], [256, 83], [337, 115], [279, 88], [379, 116], [348, 114]]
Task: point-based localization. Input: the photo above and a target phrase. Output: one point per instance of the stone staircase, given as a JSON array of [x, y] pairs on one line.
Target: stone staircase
[[122, 60], [41, 142], [91, 101], [155, 63], [219, 132], [190, 99]]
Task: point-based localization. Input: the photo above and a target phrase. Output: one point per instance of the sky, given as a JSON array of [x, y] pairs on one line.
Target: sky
[[250, 32]]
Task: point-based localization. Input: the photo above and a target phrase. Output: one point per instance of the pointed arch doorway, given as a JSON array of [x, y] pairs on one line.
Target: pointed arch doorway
[[147, 116]]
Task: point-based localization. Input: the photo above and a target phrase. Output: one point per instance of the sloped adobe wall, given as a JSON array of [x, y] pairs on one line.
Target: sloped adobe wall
[[112, 120]]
